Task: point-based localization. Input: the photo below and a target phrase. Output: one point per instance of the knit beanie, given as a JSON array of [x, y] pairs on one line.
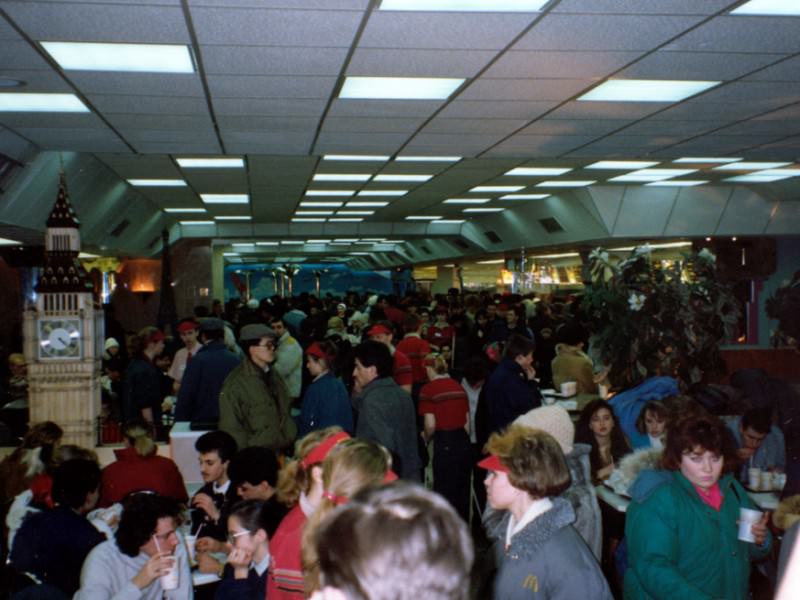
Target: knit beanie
[[555, 421]]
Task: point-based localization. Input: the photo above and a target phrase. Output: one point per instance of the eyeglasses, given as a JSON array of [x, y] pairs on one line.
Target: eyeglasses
[[232, 536]]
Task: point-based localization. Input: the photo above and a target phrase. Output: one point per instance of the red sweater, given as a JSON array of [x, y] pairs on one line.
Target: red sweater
[[132, 473], [447, 401], [285, 576], [416, 349], [403, 375]]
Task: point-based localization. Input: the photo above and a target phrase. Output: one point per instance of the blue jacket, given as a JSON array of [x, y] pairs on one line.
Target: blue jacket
[[509, 394], [628, 404], [198, 398], [771, 453], [326, 403]]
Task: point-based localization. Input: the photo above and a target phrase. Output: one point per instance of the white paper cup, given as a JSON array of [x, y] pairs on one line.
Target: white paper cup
[[780, 480], [748, 517], [602, 391], [568, 388], [548, 400], [171, 579], [754, 478], [191, 550]]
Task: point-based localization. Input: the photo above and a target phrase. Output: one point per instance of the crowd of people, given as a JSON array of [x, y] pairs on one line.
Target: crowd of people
[[326, 420]]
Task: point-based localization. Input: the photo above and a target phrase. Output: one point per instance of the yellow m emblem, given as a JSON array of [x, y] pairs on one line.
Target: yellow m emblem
[[531, 582]]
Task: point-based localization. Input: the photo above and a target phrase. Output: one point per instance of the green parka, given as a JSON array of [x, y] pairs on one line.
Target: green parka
[[254, 408], [682, 549]]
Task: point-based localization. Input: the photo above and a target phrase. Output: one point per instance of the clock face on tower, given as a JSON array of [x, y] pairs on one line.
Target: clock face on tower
[[59, 338]]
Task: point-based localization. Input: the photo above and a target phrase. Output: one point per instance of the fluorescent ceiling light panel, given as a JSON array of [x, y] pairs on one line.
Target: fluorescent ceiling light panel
[[7, 242], [225, 198], [330, 192], [678, 183], [356, 157], [41, 103], [342, 177], [538, 171], [404, 178], [354, 212], [196, 222], [366, 204], [292, 242], [232, 218], [399, 88], [423, 218], [483, 210], [788, 172], [565, 184], [321, 204], [317, 241], [266, 243], [636, 178], [467, 200], [773, 8], [448, 222], [345, 220], [498, 261], [211, 163], [524, 196], [706, 159], [382, 193], [230, 254], [465, 5], [654, 246], [310, 213], [184, 210], [646, 90], [147, 58], [496, 188], [751, 166], [755, 178], [664, 172], [621, 164], [307, 220], [410, 158], [243, 244], [359, 253], [563, 255], [157, 182], [345, 240]]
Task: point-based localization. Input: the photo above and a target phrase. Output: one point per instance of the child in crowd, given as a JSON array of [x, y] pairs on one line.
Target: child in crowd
[[245, 573]]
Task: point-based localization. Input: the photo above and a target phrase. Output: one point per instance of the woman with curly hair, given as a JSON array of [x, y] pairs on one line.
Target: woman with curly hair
[[141, 385]]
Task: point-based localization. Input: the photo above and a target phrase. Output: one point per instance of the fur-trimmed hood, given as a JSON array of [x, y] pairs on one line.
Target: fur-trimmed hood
[[630, 466], [787, 513]]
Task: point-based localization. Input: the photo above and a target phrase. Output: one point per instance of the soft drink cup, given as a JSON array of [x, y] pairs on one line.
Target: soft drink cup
[[171, 578], [747, 518]]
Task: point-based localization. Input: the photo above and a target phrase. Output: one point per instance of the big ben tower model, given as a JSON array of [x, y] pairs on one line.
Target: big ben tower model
[[63, 332]]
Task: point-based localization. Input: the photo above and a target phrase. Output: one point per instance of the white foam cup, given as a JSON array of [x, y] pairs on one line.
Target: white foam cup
[[747, 518], [754, 478], [568, 388], [171, 578], [191, 550]]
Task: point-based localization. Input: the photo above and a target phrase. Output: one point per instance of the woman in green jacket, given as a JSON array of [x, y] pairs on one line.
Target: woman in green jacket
[[682, 525]]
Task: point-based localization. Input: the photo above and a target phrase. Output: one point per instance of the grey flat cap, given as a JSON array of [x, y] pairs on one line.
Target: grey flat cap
[[256, 331]]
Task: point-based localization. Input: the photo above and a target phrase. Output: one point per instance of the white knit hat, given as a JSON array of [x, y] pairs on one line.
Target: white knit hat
[[555, 421]]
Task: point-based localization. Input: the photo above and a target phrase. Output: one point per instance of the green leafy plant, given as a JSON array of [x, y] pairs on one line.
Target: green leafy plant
[[784, 306], [649, 320]]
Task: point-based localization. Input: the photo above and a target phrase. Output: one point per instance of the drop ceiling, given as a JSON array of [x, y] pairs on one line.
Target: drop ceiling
[[266, 85]]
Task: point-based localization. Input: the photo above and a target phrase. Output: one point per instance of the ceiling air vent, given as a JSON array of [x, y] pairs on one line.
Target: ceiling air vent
[[461, 244], [551, 225], [117, 231], [493, 237]]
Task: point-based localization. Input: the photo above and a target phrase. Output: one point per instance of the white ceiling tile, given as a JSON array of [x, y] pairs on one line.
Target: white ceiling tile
[[622, 7], [21, 55], [477, 109], [100, 22], [455, 140], [787, 70], [684, 128], [272, 124], [296, 4], [134, 136], [704, 66], [167, 122], [156, 105], [344, 140], [540, 145], [383, 108], [500, 126], [552, 127], [372, 125], [743, 34], [177, 147], [790, 112], [251, 86], [603, 32], [644, 212], [270, 107], [518, 64], [393, 62], [134, 84], [443, 30], [52, 120], [524, 89], [697, 210], [38, 80], [762, 93], [707, 111], [761, 128], [605, 110], [265, 60], [279, 27]]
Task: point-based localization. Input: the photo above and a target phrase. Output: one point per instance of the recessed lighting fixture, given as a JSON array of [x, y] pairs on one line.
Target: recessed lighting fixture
[[41, 103], [755, 178], [751, 166], [372, 240], [622, 164], [382, 193], [788, 172], [84, 255], [655, 246], [345, 220], [7, 242], [498, 261], [524, 196], [356, 157], [467, 200], [448, 222], [359, 253], [232, 218], [157, 182], [266, 243], [330, 192], [211, 163], [677, 183], [538, 171], [409, 158], [307, 220], [147, 58], [646, 90], [403, 178], [565, 184], [483, 210], [394, 241], [634, 178], [184, 210], [341, 177], [774, 8], [465, 5], [225, 198], [355, 212], [652, 174], [317, 241], [242, 244], [366, 204], [562, 255], [310, 213], [705, 159], [321, 204], [399, 88], [196, 222], [345, 240], [292, 242], [230, 254], [496, 188], [423, 218]]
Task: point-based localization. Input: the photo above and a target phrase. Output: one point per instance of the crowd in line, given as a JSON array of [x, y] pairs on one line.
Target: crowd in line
[[300, 496]]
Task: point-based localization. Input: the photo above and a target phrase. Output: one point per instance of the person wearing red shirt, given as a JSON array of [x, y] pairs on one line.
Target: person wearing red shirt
[[402, 371], [444, 406], [416, 349], [441, 333]]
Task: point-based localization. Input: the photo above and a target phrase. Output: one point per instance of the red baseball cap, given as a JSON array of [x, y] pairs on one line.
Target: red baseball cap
[[379, 329], [492, 463], [187, 326], [316, 350], [321, 450], [390, 476]]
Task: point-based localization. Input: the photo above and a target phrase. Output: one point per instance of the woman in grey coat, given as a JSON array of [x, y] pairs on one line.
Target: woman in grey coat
[[538, 551]]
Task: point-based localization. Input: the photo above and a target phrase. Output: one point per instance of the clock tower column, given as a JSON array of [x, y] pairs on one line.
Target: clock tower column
[[63, 333]]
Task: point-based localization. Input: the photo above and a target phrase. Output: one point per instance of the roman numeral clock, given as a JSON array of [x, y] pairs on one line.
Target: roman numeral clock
[[63, 333]]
